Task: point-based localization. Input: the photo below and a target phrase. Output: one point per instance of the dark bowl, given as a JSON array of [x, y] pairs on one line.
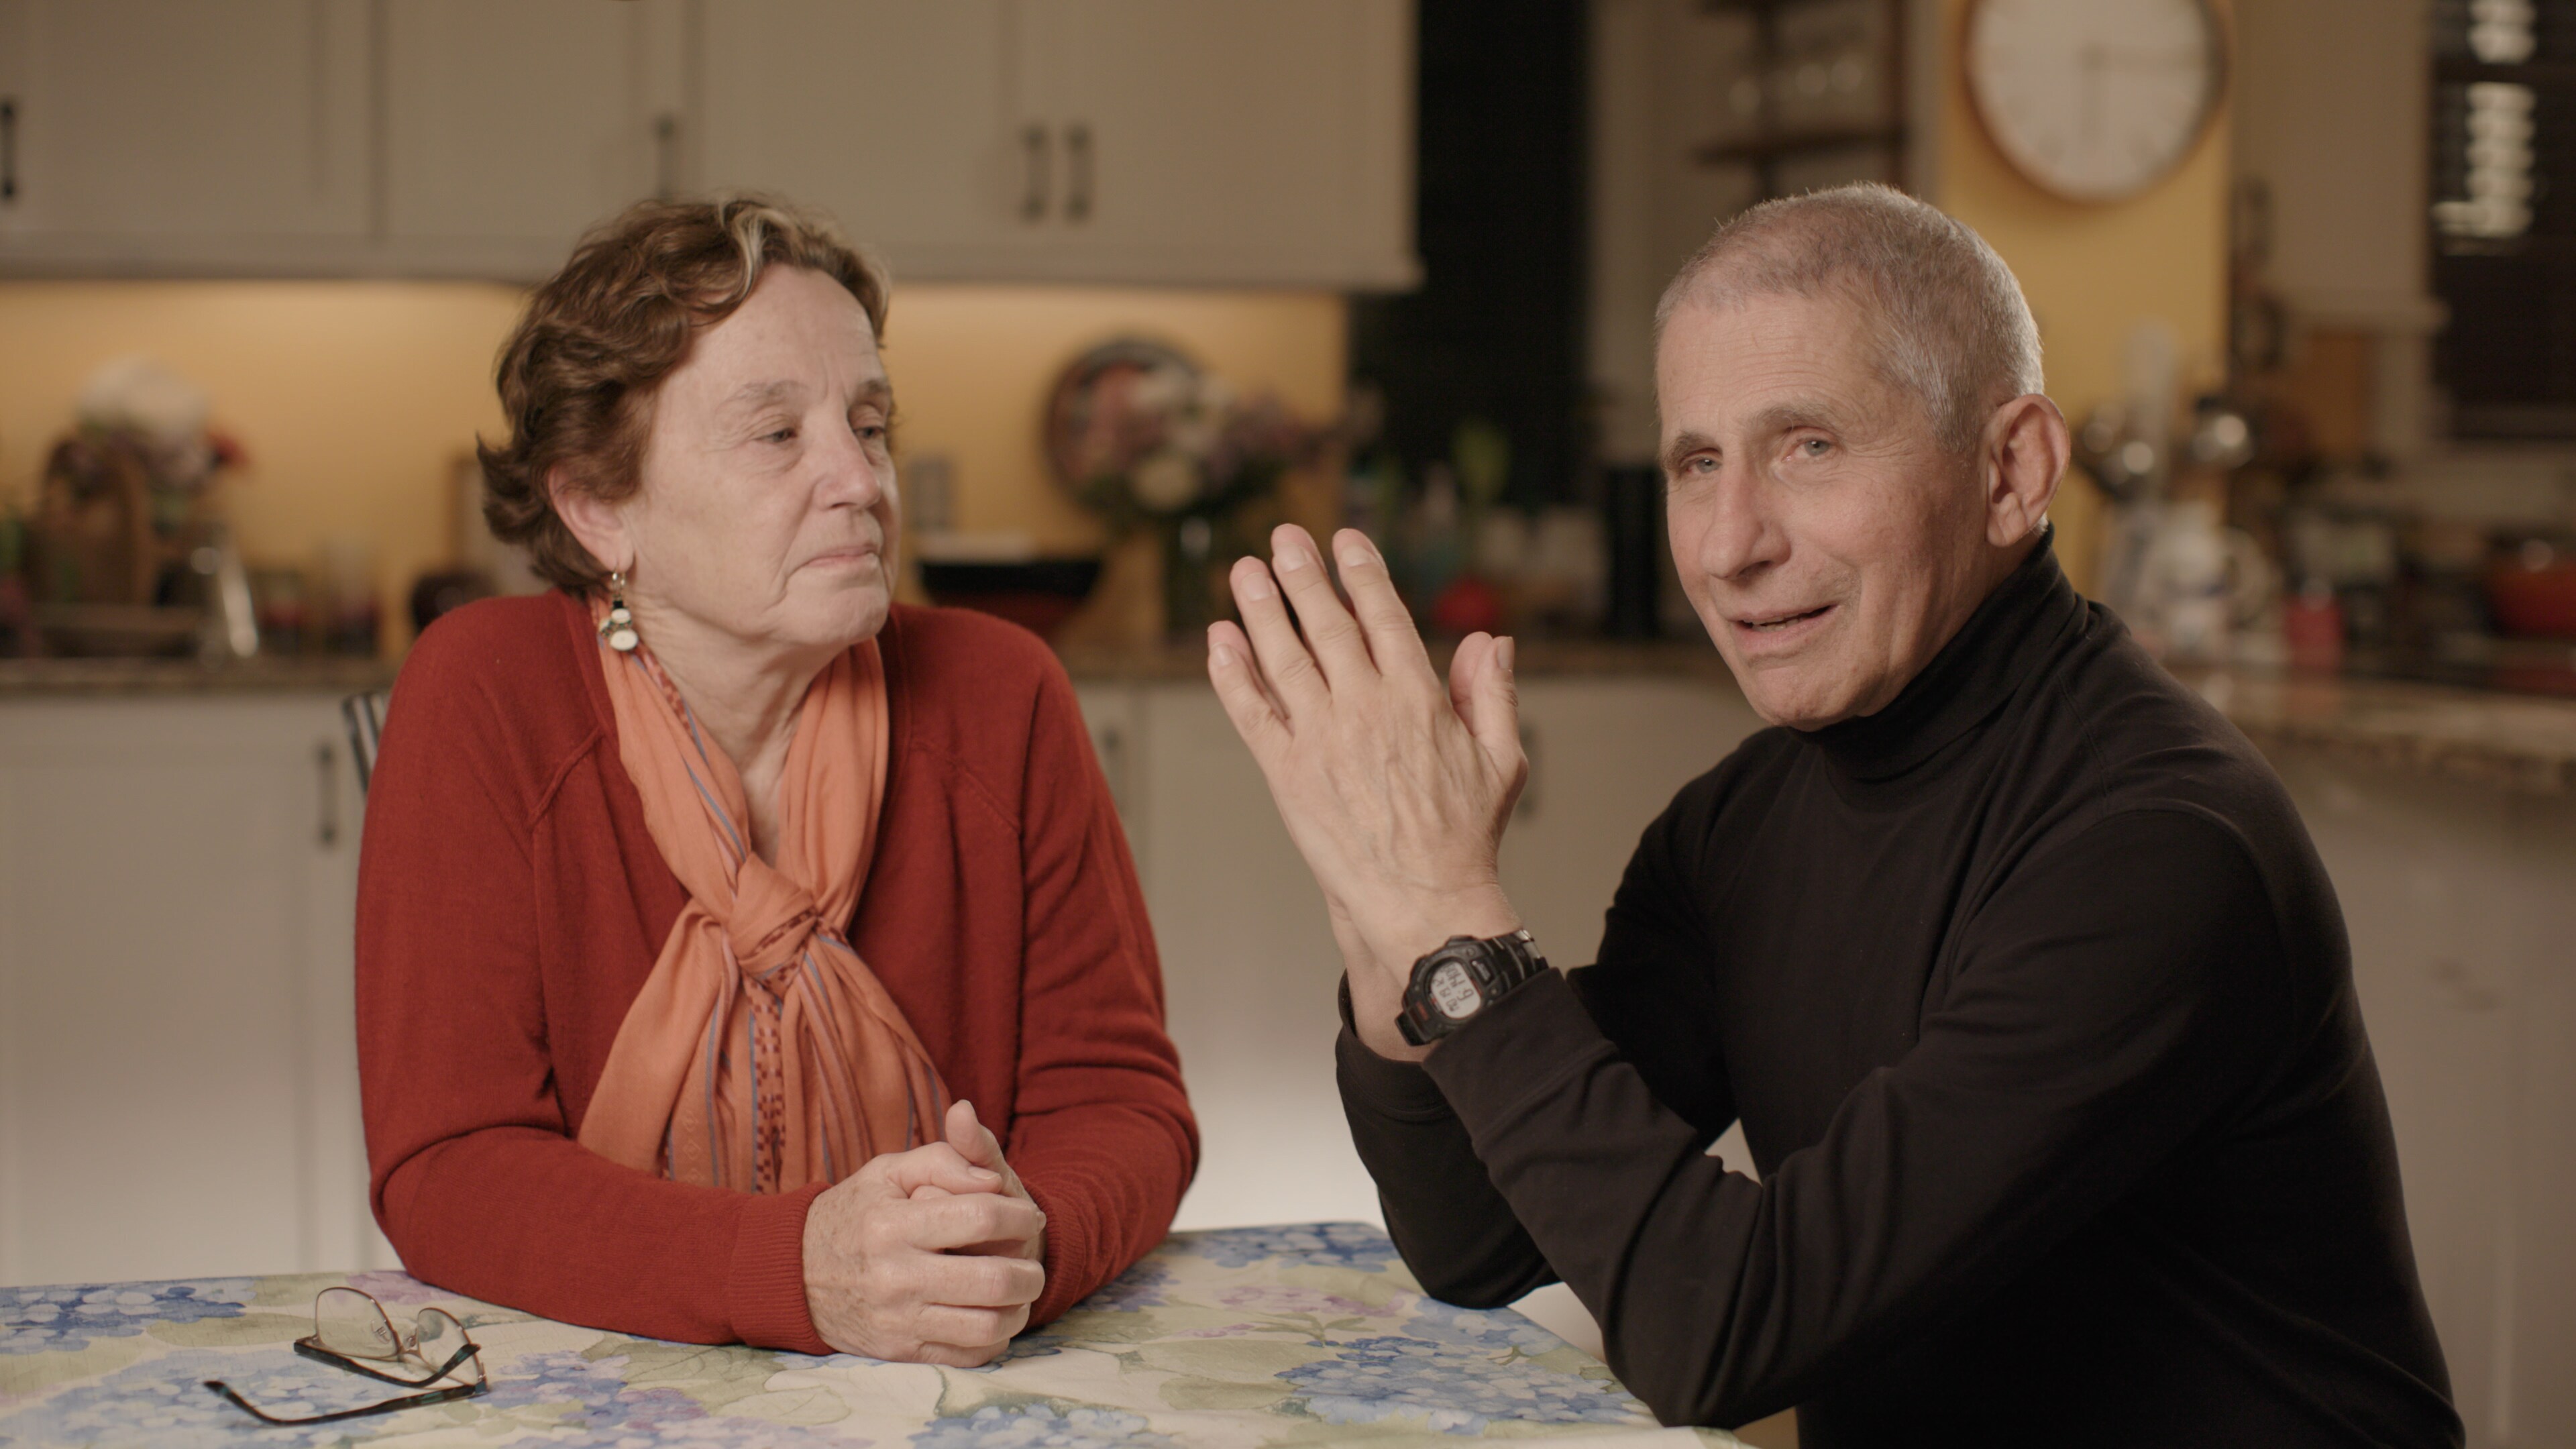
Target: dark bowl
[[1036, 594]]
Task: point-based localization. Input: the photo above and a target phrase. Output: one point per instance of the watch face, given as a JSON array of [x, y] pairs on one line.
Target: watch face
[[1454, 992]]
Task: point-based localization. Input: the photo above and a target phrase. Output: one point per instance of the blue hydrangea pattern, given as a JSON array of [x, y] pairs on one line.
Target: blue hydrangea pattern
[[66, 1319], [1388, 1377], [1334, 1245], [1037, 1426], [162, 1403], [102, 1366], [1138, 1288], [1436, 1322]]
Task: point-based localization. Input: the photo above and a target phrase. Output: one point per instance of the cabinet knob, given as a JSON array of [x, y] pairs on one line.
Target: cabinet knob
[[1077, 168], [666, 156], [326, 831], [1527, 806], [1035, 156]]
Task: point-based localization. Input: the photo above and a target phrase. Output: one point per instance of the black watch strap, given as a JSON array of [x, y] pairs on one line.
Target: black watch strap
[[1456, 983]]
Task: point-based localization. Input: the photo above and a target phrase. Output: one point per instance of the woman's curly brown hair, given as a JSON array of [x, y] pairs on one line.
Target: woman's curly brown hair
[[578, 374]]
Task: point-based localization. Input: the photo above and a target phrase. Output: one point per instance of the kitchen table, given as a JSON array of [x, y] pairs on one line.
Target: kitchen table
[[1309, 1334]]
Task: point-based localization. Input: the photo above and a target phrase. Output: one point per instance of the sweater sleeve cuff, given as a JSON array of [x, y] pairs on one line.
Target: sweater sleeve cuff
[[766, 1287], [1070, 1260]]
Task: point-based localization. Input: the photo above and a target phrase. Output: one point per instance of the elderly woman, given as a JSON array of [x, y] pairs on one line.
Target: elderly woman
[[743, 956]]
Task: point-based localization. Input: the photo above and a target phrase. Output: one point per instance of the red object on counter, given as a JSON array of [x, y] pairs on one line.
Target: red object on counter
[[2313, 630], [1468, 606], [2529, 601]]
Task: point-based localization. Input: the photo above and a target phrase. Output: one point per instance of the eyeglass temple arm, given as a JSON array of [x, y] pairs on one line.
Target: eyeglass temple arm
[[408, 1401]]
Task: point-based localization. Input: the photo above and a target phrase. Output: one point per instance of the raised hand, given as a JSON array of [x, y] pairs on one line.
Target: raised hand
[[1394, 788], [901, 1262]]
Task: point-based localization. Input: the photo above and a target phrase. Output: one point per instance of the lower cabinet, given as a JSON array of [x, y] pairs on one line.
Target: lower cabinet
[[1249, 963], [2461, 904], [178, 1070]]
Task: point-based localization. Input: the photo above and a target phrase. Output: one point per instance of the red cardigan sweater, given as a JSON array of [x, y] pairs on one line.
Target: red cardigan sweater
[[511, 904]]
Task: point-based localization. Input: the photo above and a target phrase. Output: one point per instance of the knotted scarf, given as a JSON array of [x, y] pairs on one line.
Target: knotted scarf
[[762, 1052]]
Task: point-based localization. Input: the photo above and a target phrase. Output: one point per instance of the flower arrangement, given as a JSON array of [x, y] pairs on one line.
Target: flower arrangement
[[1149, 441]]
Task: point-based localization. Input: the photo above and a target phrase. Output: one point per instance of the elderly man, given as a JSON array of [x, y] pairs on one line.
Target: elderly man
[[2011, 956]]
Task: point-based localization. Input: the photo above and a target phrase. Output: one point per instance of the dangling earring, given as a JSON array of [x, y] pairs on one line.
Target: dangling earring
[[617, 631]]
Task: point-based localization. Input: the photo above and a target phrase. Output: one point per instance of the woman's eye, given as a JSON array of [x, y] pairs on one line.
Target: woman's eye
[[1815, 447], [779, 435]]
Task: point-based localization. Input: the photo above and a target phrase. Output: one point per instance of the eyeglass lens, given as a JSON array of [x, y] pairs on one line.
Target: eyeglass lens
[[349, 1322]]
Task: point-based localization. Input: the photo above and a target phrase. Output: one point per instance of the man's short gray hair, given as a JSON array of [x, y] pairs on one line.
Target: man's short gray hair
[[1952, 326]]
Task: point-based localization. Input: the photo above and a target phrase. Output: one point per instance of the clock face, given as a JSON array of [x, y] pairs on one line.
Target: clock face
[[2094, 99]]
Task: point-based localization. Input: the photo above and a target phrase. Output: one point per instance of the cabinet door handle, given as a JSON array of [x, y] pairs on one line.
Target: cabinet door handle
[[9, 149], [1034, 154], [1077, 169], [666, 156], [327, 827], [1527, 805], [1111, 743]]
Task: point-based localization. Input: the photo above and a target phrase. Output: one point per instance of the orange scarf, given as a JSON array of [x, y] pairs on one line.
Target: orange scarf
[[762, 1053]]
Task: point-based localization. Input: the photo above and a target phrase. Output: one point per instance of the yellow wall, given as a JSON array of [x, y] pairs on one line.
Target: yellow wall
[[354, 398], [2093, 271]]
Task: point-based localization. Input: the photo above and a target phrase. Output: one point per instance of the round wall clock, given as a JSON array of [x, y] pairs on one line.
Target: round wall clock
[[2095, 100]]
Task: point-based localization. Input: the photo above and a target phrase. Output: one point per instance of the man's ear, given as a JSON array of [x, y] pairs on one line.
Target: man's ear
[[599, 525], [2027, 445]]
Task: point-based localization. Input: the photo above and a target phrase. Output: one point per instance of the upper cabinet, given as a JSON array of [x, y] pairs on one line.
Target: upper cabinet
[[892, 116], [1247, 141], [510, 126], [136, 133], [1251, 143]]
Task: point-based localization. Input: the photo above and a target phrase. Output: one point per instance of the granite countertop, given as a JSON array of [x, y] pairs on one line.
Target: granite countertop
[[2518, 742], [1538, 658], [50, 678]]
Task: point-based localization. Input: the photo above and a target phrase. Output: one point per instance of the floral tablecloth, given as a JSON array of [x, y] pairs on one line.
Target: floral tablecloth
[[1312, 1334]]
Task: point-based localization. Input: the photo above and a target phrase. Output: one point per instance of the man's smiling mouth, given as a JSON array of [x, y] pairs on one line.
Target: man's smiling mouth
[[1783, 621]]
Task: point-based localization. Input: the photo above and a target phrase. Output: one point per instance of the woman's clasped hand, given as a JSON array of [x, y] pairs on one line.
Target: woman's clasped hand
[[927, 1256]]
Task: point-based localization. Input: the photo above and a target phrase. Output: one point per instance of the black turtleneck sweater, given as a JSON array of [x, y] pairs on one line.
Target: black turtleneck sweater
[[2036, 1007]]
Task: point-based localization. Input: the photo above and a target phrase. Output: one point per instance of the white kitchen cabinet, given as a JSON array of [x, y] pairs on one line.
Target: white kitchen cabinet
[[1606, 756], [178, 1066], [1258, 142], [2463, 932], [150, 133], [893, 117], [1251, 143], [512, 126], [1264, 141], [1249, 963]]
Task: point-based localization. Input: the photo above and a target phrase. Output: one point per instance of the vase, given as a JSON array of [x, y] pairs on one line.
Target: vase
[[1189, 576]]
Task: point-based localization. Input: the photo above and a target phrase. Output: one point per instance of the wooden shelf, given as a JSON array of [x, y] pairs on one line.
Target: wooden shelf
[[2541, 74], [1764, 148]]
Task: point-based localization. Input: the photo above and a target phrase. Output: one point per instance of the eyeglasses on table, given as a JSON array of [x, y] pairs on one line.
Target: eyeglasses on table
[[352, 1331]]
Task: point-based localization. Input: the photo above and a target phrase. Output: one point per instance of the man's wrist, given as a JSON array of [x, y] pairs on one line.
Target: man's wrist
[[1401, 936]]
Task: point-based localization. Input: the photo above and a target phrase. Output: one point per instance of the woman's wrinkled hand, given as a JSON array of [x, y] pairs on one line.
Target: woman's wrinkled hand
[[927, 1256], [976, 1143], [1394, 786]]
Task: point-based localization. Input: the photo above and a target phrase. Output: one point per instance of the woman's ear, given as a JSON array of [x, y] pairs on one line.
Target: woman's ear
[[598, 524], [2027, 447]]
